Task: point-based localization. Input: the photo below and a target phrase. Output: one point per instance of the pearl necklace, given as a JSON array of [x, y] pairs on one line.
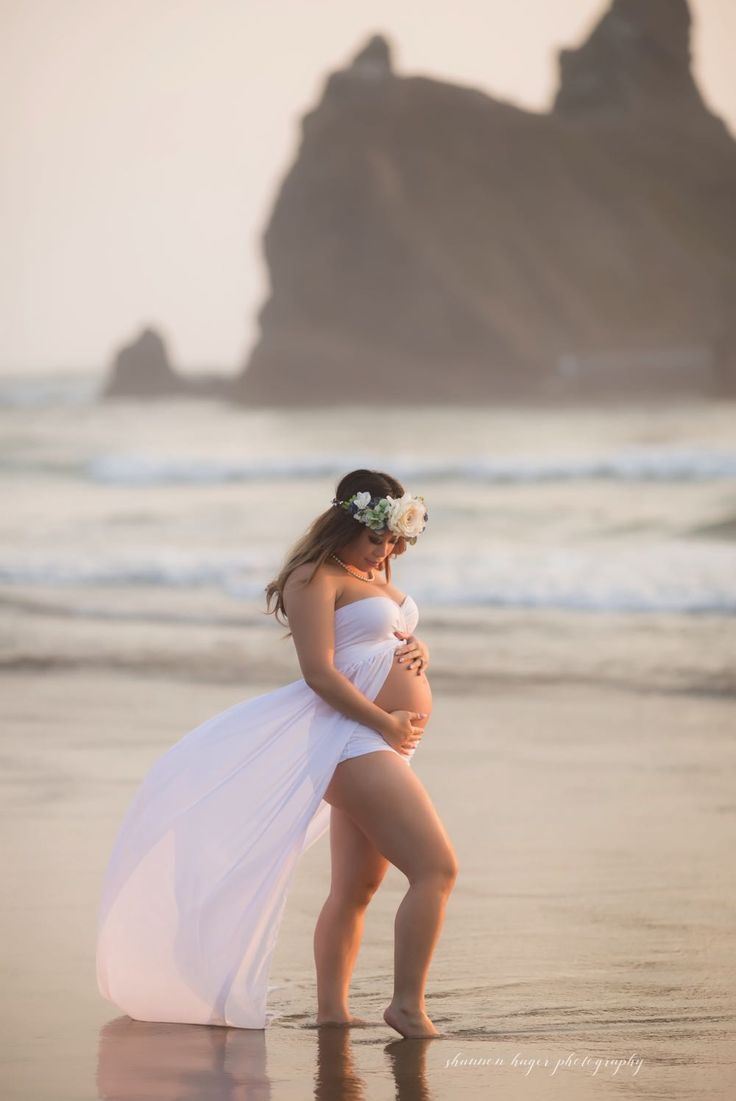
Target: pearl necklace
[[368, 580]]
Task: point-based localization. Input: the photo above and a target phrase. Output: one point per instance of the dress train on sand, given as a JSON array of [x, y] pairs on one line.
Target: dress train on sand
[[198, 877]]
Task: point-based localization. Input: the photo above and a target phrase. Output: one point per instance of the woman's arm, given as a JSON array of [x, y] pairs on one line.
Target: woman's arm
[[311, 612]]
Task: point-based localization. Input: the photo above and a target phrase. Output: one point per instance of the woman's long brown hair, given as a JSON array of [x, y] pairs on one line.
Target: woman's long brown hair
[[332, 529]]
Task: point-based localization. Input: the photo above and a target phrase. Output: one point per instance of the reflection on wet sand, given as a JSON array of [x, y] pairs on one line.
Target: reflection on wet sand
[[142, 1061]]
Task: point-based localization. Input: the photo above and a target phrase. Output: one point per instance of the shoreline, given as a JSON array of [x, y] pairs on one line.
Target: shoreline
[[205, 636], [454, 685]]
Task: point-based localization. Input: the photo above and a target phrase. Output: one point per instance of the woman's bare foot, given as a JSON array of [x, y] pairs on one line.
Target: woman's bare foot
[[413, 1024], [344, 1021]]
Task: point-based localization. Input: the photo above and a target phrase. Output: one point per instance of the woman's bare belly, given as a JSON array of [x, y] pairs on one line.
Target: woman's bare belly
[[405, 690]]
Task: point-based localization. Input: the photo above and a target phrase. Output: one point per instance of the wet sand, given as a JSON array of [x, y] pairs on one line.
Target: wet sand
[[594, 916]]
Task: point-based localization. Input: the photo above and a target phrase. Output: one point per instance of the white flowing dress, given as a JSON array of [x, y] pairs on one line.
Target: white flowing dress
[[197, 880]]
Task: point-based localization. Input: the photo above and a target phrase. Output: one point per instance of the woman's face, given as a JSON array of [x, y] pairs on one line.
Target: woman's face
[[369, 550]]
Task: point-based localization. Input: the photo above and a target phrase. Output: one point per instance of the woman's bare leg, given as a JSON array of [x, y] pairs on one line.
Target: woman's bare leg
[[357, 870], [391, 806]]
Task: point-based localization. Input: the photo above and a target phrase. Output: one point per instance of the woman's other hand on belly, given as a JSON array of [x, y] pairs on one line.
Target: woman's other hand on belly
[[412, 654]]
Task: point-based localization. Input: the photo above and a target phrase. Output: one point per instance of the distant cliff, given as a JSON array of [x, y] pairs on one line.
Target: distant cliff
[[431, 243]]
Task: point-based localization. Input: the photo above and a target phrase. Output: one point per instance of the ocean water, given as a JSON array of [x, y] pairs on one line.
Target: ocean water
[[626, 513]]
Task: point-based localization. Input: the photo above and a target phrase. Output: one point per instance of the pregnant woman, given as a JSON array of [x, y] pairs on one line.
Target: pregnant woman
[[198, 878]]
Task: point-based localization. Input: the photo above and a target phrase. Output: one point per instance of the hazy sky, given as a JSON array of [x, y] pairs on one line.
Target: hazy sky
[[143, 140]]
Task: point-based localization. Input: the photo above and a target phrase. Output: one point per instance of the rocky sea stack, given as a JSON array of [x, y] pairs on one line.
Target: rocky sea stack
[[431, 243]]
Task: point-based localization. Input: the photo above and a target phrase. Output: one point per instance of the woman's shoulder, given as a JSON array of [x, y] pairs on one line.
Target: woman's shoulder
[[306, 574]]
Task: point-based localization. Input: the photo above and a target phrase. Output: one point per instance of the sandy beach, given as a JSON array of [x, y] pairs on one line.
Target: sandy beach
[[593, 919]]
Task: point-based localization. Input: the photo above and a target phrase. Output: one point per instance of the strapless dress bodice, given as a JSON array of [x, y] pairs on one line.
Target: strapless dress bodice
[[367, 625]]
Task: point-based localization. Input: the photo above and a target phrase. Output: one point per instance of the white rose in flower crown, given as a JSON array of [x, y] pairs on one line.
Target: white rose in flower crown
[[363, 499], [406, 515]]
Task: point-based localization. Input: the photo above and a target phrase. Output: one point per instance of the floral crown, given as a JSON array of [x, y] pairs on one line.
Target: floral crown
[[405, 516]]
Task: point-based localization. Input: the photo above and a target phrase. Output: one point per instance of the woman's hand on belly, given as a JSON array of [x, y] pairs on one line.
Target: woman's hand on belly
[[413, 654], [404, 730]]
